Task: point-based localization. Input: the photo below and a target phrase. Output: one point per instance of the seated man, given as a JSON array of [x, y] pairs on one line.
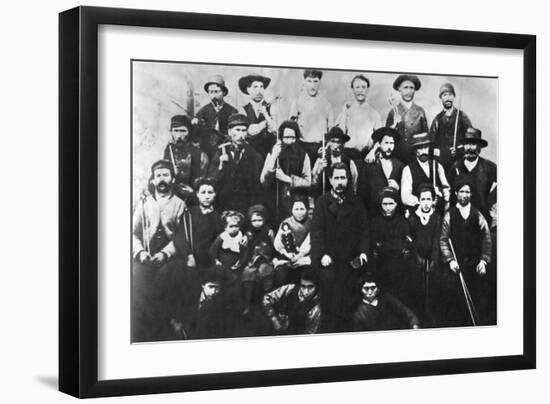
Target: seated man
[[381, 311], [295, 308]]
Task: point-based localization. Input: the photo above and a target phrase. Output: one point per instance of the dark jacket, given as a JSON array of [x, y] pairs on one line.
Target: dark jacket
[[389, 314], [413, 121], [442, 133], [372, 180], [216, 119]]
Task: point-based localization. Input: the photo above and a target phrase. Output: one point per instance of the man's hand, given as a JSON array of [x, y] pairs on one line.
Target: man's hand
[[481, 268], [144, 257], [159, 258], [277, 147], [326, 260], [393, 184], [453, 151], [454, 266], [323, 163], [281, 176], [363, 258], [371, 156], [224, 158], [276, 323], [191, 263]]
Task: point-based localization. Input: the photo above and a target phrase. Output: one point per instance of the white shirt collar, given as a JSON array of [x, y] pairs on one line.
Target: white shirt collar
[[373, 303], [470, 165], [464, 210]]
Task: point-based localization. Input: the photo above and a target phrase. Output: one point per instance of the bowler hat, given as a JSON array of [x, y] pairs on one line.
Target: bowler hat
[[447, 87], [237, 120], [180, 120], [420, 139], [217, 79], [379, 133], [407, 77], [246, 81], [336, 133], [473, 135]]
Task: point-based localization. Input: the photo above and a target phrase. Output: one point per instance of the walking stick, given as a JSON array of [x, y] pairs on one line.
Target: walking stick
[[426, 285], [457, 117], [144, 226], [469, 302]]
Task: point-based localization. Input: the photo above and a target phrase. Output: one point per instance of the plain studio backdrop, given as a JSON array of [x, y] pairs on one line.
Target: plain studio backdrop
[[28, 294]]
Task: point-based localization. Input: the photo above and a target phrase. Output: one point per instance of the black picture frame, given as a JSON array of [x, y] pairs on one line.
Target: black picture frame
[[78, 196]]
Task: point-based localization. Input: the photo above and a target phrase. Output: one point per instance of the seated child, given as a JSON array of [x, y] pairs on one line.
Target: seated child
[[292, 242]]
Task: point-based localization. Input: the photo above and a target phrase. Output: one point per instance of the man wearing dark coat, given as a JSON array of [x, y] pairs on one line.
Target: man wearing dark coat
[[445, 131], [466, 247], [240, 167], [383, 172], [262, 129], [406, 117], [339, 248], [482, 174], [216, 113]]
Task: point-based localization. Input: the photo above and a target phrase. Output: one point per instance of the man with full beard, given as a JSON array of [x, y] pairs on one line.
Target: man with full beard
[[333, 153], [482, 174], [154, 221], [445, 131], [385, 171], [423, 169], [287, 166], [339, 248], [188, 161]]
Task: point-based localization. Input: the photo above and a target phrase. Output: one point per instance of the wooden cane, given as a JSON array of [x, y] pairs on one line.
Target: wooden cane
[[457, 116], [469, 302]]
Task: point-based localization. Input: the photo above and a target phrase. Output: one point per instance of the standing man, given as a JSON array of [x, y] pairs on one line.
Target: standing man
[[332, 154], [423, 169], [154, 221], [385, 171], [466, 247], [405, 116], [339, 248], [313, 113], [188, 161], [216, 113], [448, 127], [359, 120], [482, 174], [262, 128], [240, 166]]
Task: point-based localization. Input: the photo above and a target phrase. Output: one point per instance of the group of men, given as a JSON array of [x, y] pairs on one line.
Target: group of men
[[403, 212]]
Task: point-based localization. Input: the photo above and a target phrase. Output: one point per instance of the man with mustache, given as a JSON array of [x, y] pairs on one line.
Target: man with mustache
[[385, 171], [259, 113], [240, 167], [482, 174], [339, 248], [313, 112], [423, 169], [359, 120], [216, 113], [188, 161], [155, 219], [445, 125], [333, 153], [405, 116], [287, 165]]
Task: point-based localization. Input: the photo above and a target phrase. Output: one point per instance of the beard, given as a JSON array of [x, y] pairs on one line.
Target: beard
[[162, 187], [471, 155], [386, 154], [336, 152], [423, 157], [447, 105]]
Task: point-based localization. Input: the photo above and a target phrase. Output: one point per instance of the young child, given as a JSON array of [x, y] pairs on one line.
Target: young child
[[292, 242], [229, 251], [259, 269]]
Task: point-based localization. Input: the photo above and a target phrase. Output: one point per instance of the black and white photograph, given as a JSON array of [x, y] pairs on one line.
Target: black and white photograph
[[293, 200]]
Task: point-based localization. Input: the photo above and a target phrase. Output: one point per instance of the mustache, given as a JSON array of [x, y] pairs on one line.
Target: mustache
[[162, 184]]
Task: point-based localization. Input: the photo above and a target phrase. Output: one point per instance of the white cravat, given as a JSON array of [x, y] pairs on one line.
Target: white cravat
[[373, 303]]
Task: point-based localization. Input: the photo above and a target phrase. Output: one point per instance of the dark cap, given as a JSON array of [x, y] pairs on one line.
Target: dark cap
[[291, 125], [388, 192], [313, 73], [162, 164], [257, 209], [180, 120], [407, 77], [359, 77], [447, 88], [218, 80], [237, 120]]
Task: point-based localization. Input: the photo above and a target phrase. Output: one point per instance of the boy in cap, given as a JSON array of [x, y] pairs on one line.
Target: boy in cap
[[313, 112], [423, 169], [359, 120], [405, 116], [260, 115], [448, 127]]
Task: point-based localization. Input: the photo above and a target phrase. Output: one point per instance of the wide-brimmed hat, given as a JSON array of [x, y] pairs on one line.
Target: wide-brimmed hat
[[379, 133], [473, 135], [216, 79], [237, 120], [420, 139], [447, 88], [246, 81], [407, 77], [336, 133]]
